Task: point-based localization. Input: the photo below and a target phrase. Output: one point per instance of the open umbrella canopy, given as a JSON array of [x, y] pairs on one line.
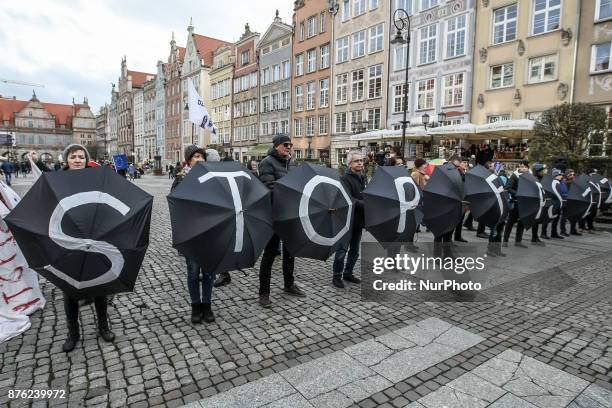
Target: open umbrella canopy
[[312, 211], [580, 200], [553, 197], [391, 203], [531, 200], [221, 215], [485, 193], [86, 231], [605, 188], [442, 199]]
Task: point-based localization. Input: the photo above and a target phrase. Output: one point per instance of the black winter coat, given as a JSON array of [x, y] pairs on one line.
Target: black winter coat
[[355, 184], [273, 167]]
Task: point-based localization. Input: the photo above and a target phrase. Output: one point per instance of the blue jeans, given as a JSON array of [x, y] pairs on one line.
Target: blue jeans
[[352, 248], [193, 282], [7, 177]]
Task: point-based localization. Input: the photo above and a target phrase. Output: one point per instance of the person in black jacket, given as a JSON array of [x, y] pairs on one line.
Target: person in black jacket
[[273, 167], [539, 171], [513, 216], [354, 181]]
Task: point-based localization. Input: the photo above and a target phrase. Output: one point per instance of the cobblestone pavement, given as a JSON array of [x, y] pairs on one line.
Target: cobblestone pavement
[[330, 348]]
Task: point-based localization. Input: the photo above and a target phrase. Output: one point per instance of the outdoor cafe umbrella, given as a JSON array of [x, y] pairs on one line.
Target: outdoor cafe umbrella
[[580, 200], [606, 190], [86, 231], [486, 195], [312, 211], [552, 195], [442, 200], [531, 200], [221, 215], [391, 204]]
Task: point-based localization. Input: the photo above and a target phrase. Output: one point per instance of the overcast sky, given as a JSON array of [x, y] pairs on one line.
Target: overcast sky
[[74, 48]]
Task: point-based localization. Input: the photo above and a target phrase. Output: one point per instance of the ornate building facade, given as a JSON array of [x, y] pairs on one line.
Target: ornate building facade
[[221, 77]]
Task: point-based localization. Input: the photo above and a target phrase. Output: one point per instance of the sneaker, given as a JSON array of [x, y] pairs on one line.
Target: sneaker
[[337, 282], [294, 290], [264, 301], [482, 235], [351, 278]]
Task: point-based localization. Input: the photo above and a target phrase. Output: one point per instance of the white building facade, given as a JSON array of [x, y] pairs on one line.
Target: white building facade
[[138, 123]]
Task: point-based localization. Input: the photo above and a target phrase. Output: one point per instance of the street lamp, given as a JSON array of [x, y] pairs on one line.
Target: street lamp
[[403, 24]]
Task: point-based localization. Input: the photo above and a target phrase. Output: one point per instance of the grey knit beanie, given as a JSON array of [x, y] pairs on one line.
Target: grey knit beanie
[[73, 147]]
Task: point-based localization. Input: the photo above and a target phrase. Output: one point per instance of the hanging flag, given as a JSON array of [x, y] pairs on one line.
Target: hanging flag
[[35, 170], [121, 162], [198, 113]]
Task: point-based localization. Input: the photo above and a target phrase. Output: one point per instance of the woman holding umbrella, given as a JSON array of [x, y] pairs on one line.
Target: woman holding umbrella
[[77, 158]]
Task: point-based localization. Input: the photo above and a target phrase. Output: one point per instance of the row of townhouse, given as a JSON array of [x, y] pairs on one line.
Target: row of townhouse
[[336, 71]]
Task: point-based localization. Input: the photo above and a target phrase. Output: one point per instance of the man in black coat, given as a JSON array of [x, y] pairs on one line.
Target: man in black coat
[[273, 167], [354, 182], [513, 216]]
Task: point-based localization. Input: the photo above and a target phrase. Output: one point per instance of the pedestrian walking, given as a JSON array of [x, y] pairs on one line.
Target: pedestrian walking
[[7, 169], [513, 215], [273, 167], [132, 171], [201, 296], [539, 171]]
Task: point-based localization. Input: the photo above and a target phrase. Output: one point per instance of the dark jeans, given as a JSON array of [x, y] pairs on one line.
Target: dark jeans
[[481, 228], [590, 218], [534, 232], [7, 177], [193, 282], [497, 233], [350, 251], [562, 222], [459, 227], [513, 218], [265, 268], [71, 307]]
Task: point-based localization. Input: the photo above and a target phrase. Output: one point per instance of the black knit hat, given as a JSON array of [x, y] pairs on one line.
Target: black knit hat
[[280, 139], [193, 149]]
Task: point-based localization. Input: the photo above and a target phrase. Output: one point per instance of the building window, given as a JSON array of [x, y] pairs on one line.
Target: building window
[[322, 22], [274, 127], [357, 85], [312, 60], [542, 69], [498, 118], [546, 15], [312, 26], [284, 99], [265, 76], [323, 125], [245, 57], [376, 38], [375, 81], [453, 89], [404, 4], [346, 10], [264, 129], [399, 57], [359, 44], [276, 73], [359, 7], [425, 95], [323, 93], [504, 24], [341, 122], [286, 67], [426, 4], [299, 64], [373, 4], [342, 49], [284, 126], [356, 119], [455, 36], [297, 123], [535, 116], [310, 95], [600, 57], [324, 56], [341, 88], [399, 100], [299, 98], [310, 123], [265, 104], [275, 102], [302, 31], [603, 10], [427, 44], [502, 76], [374, 119]]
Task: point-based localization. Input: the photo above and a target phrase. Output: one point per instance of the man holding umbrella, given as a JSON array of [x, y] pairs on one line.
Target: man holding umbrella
[[200, 301], [354, 182], [513, 217], [273, 167]]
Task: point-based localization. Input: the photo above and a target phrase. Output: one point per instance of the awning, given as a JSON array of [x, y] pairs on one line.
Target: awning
[[389, 134], [460, 130], [520, 128], [259, 150]]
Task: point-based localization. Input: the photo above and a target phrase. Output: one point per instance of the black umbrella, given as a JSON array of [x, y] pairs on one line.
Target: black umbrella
[[488, 199], [86, 231], [554, 200], [531, 200], [442, 200], [391, 202], [580, 200], [221, 215], [313, 212], [606, 190]]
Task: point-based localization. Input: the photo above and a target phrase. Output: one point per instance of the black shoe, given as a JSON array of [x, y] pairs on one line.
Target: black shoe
[[482, 235], [223, 279], [102, 314], [196, 310], [538, 243], [469, 227], [294, 290], [351, 278], [461, 239], [337, 282], [576, 233], [544, 236], [565, 234], [73, 337], [107, 335], [556, 236], [264, 301], [520, 245], [207, 314]]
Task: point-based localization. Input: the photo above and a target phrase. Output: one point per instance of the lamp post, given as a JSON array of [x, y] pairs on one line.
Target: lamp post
[[425, 121], [309, 154], [403, 24]]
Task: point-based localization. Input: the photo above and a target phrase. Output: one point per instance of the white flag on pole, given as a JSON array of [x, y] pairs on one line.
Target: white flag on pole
[[198, 113], [35, 170]]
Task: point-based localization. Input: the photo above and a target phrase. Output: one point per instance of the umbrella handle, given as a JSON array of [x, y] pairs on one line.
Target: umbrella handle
[[331, 210]]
